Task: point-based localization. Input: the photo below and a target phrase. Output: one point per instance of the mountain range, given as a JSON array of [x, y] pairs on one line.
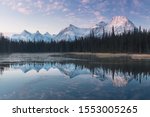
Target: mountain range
[[27, 36], [70, 33], [72, 71]]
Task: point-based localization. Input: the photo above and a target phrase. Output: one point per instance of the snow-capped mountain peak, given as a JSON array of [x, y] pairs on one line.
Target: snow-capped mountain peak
[[38, 32], [101, 24], [98, 29], [48, 37], [27, 36], [121, 21], [38, 36], [25, 32], [47, 34], [120, 24], [72, 26], [71, 33]]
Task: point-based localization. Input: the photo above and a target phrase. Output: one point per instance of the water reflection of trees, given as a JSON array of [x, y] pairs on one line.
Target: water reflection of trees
[[137, 70], [3, 67]]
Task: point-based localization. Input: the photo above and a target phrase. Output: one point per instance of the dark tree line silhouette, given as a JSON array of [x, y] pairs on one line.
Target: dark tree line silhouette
[[137, 41]]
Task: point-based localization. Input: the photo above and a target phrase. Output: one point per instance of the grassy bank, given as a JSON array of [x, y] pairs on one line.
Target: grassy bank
[[110, 55]]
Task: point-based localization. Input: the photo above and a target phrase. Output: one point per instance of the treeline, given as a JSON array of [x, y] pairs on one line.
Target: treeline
[[9, 46], [137, 41]]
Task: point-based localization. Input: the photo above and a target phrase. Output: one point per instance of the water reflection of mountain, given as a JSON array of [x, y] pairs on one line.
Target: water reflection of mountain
[[119, 73], [32, 66]]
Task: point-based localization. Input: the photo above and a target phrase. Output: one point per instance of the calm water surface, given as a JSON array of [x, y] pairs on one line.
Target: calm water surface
[[44, 76]]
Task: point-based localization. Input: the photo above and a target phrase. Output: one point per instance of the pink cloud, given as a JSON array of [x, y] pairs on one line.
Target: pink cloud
[[98, 15], [24, 10], [18, 5], [85, 1]]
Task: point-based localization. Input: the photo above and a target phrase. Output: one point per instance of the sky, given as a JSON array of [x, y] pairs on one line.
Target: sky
[[54, 15]]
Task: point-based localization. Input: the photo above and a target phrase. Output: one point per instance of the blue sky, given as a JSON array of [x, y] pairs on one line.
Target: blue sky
[[53, 15]]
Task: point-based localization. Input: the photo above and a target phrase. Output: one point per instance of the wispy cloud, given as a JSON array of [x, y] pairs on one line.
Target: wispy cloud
[[27, 6], [57, 5], [39, 4], [143, 16], [18, 5], [134, 13], [23, 10], [85, 1], [98, 15]]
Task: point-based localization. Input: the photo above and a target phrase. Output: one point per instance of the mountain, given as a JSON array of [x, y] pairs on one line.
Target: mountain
[[118, 79], [71, 33], [47, 37], [71, 70], [27, 36], [120, 24], [38, 36], [99, 29]]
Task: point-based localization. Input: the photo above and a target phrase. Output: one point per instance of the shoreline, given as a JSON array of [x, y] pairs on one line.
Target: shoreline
[[93, 55], [112, 55]]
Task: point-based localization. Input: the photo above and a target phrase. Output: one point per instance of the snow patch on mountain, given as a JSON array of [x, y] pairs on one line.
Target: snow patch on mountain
[[48, 37], [71, 33], [27, 36], [99, 29]]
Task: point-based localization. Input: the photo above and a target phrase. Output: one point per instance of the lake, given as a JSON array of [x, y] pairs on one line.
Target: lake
[[59, 76]]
